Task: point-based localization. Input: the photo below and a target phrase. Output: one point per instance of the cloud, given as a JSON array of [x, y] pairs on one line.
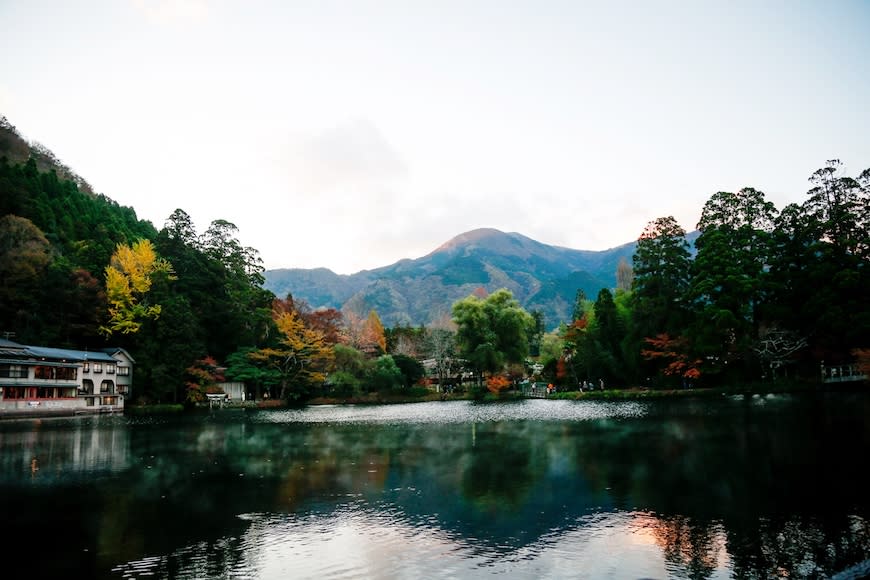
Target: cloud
[[351, 157], [173, 12]]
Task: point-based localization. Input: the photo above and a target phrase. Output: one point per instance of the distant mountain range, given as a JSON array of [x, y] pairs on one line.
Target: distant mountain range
[[414, 292]]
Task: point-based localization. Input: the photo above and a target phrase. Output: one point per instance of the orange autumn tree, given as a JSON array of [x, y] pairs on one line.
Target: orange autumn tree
[[497, 383], [365, 334], [202, 378], [301, 356], [374, 338], [673, 353], [327, 321]]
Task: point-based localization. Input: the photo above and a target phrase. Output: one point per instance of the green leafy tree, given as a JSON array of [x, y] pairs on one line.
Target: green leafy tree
[[839, 205], [165, 347], [492, 331], [657, 303], [819, 269], [25, 254], [350, 371], [608, 334], [730, 279], [260, 379], [411, 369], [539, 327], [661, 278], [385, 374], [230, 306], [581, 305]]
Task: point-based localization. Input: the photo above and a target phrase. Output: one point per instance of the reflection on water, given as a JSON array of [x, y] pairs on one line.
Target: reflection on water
[[459, 412], [742, 488]]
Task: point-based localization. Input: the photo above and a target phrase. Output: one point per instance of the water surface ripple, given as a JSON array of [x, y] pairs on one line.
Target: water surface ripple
[[460, 412], [715, 488]]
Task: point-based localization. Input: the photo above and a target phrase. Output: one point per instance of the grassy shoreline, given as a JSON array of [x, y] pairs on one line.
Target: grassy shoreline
[[631, 393], [392, 398]]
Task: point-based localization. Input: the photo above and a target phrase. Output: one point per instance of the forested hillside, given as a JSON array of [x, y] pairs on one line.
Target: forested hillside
[[57, 241]]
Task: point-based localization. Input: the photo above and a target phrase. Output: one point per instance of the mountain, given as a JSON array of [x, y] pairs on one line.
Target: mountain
[[16, 149], [421, 291]]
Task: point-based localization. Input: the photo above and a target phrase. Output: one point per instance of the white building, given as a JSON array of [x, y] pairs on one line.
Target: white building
[[37, 380]]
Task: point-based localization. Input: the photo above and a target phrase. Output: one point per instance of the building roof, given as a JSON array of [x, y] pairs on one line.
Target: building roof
[[5, 342], [116, 350], [18, 352], [70, 354]]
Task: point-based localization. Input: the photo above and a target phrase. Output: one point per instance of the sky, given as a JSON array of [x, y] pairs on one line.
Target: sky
[[352, 134]]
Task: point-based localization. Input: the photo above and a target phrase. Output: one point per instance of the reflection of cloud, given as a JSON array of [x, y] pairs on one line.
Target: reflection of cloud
[[353, 156], [173, 12]]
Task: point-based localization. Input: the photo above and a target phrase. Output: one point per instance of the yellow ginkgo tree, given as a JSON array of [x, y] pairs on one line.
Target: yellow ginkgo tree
[[129, 276]]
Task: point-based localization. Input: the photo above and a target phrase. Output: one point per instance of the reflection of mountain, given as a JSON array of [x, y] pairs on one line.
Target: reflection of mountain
[[498, 484]]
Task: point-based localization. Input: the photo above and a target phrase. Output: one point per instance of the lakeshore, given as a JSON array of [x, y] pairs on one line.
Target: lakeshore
[[396, 398]]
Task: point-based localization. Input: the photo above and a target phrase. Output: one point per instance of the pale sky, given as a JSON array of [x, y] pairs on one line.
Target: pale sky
[[351, 134]]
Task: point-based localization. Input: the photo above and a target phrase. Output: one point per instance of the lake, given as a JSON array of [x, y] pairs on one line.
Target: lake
[[725, 487]]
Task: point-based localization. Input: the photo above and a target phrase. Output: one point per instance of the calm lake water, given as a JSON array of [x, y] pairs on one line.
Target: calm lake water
[[731, 487]]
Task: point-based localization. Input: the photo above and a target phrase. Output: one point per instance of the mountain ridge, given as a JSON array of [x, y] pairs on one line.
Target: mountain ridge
[[421, 291]]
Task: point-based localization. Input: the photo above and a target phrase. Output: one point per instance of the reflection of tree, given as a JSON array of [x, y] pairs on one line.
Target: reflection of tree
[[799, 547], [692, 548], [751, 481], [499, 471], [776, 457]]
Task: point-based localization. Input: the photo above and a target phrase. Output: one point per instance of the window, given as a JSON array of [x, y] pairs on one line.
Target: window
[[86, 367], [107, 387], [123, 371], [110, 368], [13, 372], [14, 393], [88, 386], [43, 372], [98, 367], [65, 373]]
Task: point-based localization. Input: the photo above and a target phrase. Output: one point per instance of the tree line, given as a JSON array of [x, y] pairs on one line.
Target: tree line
[[761, 295]]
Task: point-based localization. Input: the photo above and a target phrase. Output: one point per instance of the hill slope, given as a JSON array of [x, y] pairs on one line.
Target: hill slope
[[420, 291]]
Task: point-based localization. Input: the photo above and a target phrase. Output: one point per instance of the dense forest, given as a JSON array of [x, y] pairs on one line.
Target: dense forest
[[764, 295]]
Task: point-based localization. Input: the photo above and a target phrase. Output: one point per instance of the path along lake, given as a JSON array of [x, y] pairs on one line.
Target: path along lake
[[724, 487]]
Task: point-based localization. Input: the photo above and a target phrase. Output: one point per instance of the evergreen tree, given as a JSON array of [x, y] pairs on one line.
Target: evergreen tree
[[730, 280]]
